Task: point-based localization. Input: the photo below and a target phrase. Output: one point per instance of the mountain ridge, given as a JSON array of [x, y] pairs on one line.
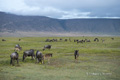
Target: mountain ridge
[[12, 23]]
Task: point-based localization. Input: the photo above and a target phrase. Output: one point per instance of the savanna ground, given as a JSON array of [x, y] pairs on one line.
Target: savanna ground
[[97, 60]]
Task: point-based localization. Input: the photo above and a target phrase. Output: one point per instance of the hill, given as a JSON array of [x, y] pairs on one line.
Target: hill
[[13, 23]]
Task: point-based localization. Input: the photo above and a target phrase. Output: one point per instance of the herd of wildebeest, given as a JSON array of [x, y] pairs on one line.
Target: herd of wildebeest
[[39, 56]]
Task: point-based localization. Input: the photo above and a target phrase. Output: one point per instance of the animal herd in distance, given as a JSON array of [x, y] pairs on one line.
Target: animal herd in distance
[[39, 56]]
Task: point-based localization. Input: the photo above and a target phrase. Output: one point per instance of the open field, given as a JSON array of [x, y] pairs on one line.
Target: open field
[[97, 60]]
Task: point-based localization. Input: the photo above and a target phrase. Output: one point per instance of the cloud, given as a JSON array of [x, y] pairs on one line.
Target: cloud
[[63, 8], [75, 14], [16, 6]]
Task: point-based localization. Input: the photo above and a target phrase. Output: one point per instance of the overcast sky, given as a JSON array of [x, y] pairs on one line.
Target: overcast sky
[[63, 9]]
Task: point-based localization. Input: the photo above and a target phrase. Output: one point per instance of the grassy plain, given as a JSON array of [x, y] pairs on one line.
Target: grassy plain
[[97, 60]]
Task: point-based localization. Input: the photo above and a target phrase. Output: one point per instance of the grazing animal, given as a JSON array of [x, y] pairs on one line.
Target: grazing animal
[[3, 40], [66, 40], [55, 40], [47, 40], [28, 53], [87, 40], [112, 38], [81, 41], [48, 56], [51, 41], [96, 39], [76, 54], [19, 39], [39, 57], [60, 39], [17, 47], [47, 47], [14, 56], [76, 40]]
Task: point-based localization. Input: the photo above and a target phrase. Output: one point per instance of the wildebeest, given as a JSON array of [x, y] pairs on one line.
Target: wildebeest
[[19, 39], [3, 40], [66, 40], [47, 40], [39, 57], [54, 40], [96, 39], [51, 40], [76, 54], [14, 56], [80, 41], [112, 38], [17, 47], [48, 56], [60, 39], [28, 53], [76, 40], [87, 40], [47, 47]]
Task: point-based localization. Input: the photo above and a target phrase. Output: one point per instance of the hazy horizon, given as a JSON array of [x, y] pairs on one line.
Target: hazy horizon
[[50, 34]]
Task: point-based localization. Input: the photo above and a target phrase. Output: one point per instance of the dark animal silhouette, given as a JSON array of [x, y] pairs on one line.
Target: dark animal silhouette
[[112, 38], [51, 40], [47, 40], [76, 40], [60, 39], [96, 39], [28, 53], [39, 57], [19, 39], [3, 40], [55, 40], [66, 40], [81, 41], [76, 54], [14, 56], [47, 47], [87, 40]]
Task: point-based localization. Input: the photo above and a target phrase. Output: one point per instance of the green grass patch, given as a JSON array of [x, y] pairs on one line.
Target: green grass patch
[[96, 61]]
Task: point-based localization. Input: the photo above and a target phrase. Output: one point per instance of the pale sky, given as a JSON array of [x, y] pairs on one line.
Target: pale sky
[[63, 9]]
